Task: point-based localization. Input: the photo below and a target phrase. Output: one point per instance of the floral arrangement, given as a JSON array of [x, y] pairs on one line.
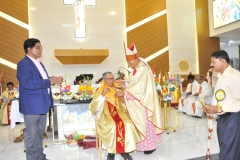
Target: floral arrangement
[[80, 139], [66, 92], [56, 94], [156, 79], [166, 94], [158, 87], [65, 86], [170, 82], [85, 89], [73, 138], [65, 89]]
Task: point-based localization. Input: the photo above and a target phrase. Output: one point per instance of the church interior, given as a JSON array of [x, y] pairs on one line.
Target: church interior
[[82, 39]]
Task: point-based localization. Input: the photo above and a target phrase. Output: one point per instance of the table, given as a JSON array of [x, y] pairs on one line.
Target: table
[[15, 115], [71, 117]]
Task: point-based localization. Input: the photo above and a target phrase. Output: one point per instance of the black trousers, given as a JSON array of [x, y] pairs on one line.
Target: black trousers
[[228, 130]]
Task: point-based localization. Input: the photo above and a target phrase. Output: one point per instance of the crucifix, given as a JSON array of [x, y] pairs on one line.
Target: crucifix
[[79, 15]]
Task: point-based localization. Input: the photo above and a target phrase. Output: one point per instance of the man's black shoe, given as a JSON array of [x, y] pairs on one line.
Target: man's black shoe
[[126, 156], [149, 152], [110, 156]]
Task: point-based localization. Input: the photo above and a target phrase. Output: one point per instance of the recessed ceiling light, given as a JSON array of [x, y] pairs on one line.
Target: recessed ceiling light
[[112, 13]]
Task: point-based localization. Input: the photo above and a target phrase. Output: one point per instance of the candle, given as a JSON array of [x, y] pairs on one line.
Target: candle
[[163, 79], [159, 77]]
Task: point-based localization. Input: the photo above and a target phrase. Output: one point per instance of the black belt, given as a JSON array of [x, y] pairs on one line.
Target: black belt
[[226, 114]]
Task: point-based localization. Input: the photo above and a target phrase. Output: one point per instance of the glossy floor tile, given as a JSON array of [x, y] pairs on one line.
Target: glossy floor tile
[[189, 141]]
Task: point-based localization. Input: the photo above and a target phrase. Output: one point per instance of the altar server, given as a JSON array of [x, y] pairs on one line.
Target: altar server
[[192, 87], [204, 93]]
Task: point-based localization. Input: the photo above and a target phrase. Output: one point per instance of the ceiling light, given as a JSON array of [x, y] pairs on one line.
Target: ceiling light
[[230, 41]]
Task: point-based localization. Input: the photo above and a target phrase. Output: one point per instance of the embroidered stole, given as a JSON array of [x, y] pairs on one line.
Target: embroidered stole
[[182, 101], [120, 129], [193, 104], [10, 95]]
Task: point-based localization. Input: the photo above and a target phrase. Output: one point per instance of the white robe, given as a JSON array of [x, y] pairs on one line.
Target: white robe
[[214, 79], [183, 108], [205, 96]]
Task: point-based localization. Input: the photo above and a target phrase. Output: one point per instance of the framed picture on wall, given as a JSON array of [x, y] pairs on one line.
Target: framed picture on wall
[[225, 12]]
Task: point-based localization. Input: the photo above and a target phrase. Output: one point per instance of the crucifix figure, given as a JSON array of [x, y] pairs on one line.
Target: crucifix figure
[[79, 15]]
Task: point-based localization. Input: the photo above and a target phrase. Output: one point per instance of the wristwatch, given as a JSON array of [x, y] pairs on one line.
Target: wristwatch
[[220, 109]]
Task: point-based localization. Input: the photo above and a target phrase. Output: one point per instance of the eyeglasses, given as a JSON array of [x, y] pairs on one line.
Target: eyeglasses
[[110, 79], [38, 47]]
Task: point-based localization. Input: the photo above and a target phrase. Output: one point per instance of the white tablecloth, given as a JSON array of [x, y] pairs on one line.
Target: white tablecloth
[[15, 116]]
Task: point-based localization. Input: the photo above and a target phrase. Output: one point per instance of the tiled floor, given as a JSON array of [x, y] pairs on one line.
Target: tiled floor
[[189, 141]]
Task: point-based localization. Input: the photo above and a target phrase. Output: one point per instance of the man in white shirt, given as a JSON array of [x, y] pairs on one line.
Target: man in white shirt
[[192, 87], [226, 103], [204, 91]]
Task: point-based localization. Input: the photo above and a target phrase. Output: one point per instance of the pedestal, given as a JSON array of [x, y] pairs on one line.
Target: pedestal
[[166, 118]]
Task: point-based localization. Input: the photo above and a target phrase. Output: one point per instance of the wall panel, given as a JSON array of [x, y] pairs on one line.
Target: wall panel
[[139, 10], [152, 36], [15, 8], [206, 44], [161, 63], [12, 37]]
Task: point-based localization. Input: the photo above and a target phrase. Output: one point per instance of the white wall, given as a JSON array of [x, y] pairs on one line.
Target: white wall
[[53, 24], [223, 29], [182, 37], [232, 51]]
